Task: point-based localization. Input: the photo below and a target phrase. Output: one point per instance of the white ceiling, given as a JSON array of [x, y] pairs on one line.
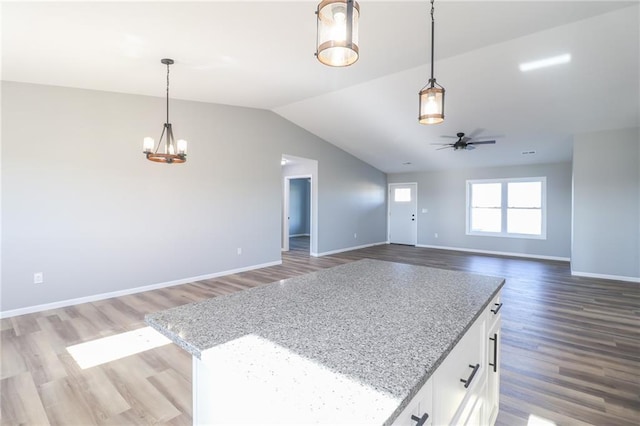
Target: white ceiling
[[260, 54]]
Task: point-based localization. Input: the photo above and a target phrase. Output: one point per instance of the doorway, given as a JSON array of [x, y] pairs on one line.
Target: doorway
[[299, 214], [300, 193], [403, 206]]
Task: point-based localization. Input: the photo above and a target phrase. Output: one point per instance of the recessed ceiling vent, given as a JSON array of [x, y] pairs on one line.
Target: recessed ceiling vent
[[528, 152]]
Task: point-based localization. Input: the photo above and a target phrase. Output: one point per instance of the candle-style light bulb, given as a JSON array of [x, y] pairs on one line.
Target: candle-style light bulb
[[182, 147], [147, 145], [432, 106]]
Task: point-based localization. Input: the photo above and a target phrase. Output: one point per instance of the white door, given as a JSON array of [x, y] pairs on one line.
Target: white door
[[403, 221]]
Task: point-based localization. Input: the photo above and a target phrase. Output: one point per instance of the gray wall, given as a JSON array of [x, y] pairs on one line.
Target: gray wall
[[443, 194], [299, 207], [351, 199], [606, 203], [82, 205]]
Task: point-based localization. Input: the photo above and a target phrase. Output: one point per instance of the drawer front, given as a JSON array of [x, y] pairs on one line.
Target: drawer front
[[493, 311], [459, 374], [421, 404]]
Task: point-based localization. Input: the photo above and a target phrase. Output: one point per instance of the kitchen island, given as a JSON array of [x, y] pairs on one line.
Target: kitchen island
[[359, 343]]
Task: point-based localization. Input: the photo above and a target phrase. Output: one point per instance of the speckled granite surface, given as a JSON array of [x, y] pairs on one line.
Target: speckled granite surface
[[385, 325]]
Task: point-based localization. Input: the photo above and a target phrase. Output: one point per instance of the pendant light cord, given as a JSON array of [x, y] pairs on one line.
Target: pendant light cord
[[432, 80]]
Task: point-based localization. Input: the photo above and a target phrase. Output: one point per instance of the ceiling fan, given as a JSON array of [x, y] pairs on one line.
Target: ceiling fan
[[463, 142]]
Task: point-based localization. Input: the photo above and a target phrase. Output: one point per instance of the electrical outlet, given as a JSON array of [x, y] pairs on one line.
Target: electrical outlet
[[435, 235], [38, 278], [239, 250]]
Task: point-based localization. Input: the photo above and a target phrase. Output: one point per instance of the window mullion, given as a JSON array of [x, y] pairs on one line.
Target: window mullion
[[504, 207]]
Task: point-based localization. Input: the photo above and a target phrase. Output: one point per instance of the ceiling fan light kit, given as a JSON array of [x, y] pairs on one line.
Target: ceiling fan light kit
[[337, 32], [431, 97], [173, 152]]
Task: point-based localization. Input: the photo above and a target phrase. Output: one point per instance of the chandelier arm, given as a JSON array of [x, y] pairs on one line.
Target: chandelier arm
[[160, 140], [170, 139]]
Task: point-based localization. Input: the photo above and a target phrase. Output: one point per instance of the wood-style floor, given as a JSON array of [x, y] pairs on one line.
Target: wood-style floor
[[570, 346]]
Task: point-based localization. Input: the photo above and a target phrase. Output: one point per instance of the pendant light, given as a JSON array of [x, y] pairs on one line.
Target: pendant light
[[432, 95], [337, 36], [173, 153]]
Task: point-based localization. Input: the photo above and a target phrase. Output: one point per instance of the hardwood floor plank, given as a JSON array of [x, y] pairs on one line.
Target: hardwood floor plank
[[129, 376], [20, 403], [65, 403], [175, 388], [13, 362], [570, 346]]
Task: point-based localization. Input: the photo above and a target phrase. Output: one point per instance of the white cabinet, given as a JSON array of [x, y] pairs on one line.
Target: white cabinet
[[459, 374], [493, 361], [465, 388]]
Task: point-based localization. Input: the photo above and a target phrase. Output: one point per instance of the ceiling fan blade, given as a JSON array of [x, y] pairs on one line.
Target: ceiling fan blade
[[475, 133], [481, 143], [465, 139], [444, 147], [441, 143]]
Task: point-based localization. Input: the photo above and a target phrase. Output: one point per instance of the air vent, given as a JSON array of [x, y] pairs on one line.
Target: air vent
[[528, 152]]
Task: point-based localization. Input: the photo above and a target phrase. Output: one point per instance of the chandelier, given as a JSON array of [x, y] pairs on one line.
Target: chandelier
[[173, 152]]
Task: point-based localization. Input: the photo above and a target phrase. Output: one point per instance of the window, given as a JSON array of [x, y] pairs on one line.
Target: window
[[402, 195], [507, 207]]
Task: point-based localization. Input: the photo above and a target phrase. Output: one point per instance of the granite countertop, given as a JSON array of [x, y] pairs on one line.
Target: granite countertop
[[386, 326]]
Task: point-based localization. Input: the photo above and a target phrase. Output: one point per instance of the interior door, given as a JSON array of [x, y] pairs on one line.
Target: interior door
[[403, 221]]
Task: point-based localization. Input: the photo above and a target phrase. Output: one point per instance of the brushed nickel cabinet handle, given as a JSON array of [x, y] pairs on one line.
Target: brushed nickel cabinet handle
[[420, 420], [494, 339], [469, 379]]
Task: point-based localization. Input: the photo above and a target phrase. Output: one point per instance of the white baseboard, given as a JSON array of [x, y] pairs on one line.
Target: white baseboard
[[498, 253], [102, 296], [327, 253], [605, 276]]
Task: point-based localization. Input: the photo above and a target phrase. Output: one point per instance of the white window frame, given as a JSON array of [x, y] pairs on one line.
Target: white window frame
[[504, 208], [395, 200]]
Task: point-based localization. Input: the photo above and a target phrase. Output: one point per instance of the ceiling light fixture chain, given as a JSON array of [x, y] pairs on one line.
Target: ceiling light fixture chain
[[173, 152], [431, 98]]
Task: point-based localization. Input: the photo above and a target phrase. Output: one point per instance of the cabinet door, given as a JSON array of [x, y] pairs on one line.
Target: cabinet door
[[493, 373], [460, 373], [473, 407], [421, 404]]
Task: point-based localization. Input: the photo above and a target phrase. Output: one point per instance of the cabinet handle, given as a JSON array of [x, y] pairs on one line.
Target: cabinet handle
[[495, 311], [470, 378], [420, 420], [495, 352]]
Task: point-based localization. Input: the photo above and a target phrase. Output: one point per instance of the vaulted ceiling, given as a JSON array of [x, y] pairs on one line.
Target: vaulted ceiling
[[260, 54]]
